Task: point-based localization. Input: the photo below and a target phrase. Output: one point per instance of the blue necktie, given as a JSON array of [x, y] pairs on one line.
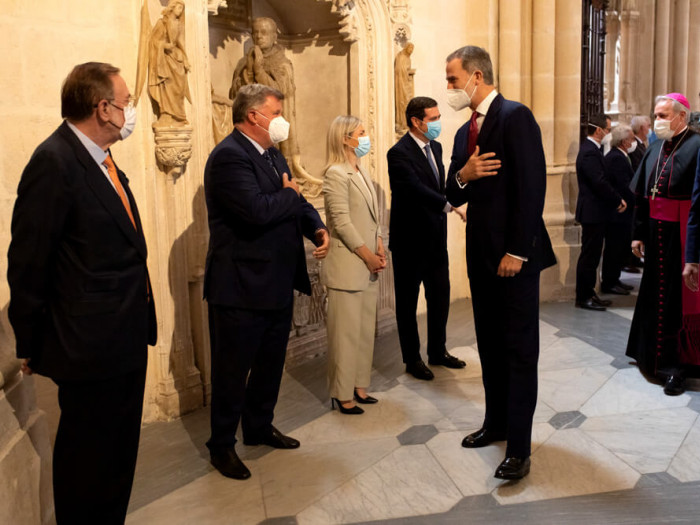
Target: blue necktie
[[432, 163]]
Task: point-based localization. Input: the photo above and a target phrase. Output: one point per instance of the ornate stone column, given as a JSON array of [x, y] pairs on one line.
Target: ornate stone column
[[629, 23], [610, 93]]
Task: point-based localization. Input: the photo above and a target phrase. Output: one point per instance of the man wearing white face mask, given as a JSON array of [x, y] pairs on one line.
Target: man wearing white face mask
[[664, 334], [256, 259], [80, 298], [618, 231], [597, 201], [507, 247]]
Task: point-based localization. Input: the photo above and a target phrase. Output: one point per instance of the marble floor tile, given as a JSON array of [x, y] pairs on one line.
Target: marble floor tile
[[543, 412], [569, 463], [294, 479], [627, 313], [408, 482], [686, 465], [472, 470], [570, 352], [211, 500], [647, 441], [548, 335], [398, 409], [628, 391], [567, 390]]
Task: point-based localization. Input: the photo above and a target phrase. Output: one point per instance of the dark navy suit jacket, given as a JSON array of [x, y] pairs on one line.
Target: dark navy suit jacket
[[597, 198], [505, 210], [256, 254], [80, 297], [618, 171], [417, 198]]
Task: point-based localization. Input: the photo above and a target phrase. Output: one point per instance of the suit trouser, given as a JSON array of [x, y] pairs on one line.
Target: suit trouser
[[352, 320], [592, 237], [248, 348], [618, 239], [409, 271], [96, 448], [506, 318]]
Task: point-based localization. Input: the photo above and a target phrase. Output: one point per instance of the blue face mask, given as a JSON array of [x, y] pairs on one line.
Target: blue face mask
[[362, 148], [434, 129]]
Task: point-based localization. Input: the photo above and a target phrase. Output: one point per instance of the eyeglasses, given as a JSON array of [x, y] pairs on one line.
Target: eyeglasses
[[129, 103]]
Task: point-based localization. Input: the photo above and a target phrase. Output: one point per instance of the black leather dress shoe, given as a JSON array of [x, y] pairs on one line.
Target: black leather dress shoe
[[625, 286], [675, 385], [229, 464], [513, 468], [274, 439], [601, 302], [616, 289], [448, 361], [419, 370], [590, 304], [481, 438]]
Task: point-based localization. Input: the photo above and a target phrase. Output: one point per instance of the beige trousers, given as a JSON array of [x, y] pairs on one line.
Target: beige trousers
[[352, 318]]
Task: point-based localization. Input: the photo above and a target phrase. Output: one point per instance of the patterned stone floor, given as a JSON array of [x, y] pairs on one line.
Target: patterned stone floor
[[609, 447]]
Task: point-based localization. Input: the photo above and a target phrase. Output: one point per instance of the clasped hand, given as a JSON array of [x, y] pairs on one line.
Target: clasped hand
[[509, 266]]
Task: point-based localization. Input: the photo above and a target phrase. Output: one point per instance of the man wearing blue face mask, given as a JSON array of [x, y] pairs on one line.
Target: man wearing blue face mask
[[419, 220]]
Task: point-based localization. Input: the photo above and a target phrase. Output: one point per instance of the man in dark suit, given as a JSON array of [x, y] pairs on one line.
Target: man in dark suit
[[507, 248], [597, 201], [80, 297], [641, 125], [256, 259], [418, 218], [618, 232]]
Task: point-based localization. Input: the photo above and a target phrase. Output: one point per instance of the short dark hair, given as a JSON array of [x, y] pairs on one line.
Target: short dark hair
[[416, 108], [474, 58], [599, 120], [84, 87], [251, 96]]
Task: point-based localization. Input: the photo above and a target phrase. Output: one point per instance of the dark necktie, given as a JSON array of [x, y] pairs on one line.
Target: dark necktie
[[432, 163], [266, 155], [473, 134]]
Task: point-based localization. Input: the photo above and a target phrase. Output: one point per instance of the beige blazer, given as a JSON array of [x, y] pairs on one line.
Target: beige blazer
[[352, 217]]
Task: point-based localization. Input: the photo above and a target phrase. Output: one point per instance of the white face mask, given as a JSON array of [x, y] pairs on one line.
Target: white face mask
[[129, 122], [278, 130], [662, 128], [458, 99], [606, 140], [632, 147]]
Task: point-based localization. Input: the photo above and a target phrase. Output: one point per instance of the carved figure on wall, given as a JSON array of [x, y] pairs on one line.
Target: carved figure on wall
[[266, 64], [168, 66], [403, 85], [221, 116]]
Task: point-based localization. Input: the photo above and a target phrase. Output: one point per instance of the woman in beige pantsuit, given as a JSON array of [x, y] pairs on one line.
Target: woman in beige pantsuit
[[350, 271]]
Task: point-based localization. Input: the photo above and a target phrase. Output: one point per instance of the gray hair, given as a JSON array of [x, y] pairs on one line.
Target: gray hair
[[677, 106], [474, 58], [250, 97], [618, 134], [637, 122]]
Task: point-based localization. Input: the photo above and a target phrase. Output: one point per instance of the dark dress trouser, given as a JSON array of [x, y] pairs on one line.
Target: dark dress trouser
[[96, 447], [244, 341], [592, 237], [506, 317], [409, 271]]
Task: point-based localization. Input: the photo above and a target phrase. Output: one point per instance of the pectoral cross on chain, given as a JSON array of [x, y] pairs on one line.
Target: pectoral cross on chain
[[654, 191]]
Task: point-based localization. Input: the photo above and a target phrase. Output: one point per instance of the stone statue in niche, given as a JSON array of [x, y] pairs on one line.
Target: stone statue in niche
[[403, 85], [168, 66], [266, 64], [221, 111]]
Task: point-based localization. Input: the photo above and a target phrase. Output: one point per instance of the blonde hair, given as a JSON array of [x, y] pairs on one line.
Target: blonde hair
[[341, 127]]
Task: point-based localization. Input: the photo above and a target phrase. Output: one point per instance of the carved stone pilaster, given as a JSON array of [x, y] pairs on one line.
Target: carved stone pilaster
[[173, 149], [400, 21]]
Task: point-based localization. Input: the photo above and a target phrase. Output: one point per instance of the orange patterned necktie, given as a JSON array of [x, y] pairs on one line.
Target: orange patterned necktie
[[112, 170]]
